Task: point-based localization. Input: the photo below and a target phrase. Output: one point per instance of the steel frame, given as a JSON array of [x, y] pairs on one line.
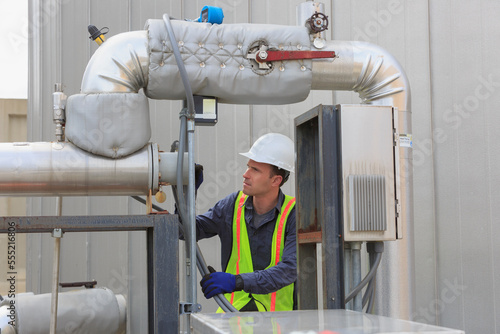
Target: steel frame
[[319, 209], [162, 254]]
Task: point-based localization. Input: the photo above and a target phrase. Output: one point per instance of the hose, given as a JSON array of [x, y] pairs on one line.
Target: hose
[[177, 190], [368, 277], [369, 295], [225, 305], [180, 64], [190, 222]]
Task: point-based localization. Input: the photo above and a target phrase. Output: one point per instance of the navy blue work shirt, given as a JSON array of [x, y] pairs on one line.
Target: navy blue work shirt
[[219, 220]]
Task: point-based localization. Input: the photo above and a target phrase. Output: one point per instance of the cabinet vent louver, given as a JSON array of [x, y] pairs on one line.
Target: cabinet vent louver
[[367, 204]]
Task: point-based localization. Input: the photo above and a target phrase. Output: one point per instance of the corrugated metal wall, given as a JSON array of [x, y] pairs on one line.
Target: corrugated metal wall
[[448, 49]]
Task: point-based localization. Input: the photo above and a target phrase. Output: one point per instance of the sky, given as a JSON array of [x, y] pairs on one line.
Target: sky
[[13, 49]]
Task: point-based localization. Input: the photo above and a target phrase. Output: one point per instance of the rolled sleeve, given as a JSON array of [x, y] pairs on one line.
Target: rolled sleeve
[[216, 220]]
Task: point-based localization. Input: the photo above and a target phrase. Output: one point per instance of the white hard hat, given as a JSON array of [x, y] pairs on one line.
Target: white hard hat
[[274, 149]]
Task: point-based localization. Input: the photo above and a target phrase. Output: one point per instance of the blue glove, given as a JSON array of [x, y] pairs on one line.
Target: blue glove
[[217, 282]]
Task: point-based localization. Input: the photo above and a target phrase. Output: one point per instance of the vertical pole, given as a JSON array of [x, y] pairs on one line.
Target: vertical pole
[[319, 207], [356, 274], [55, 281], [347, 272], [57, 234], [191, 281]]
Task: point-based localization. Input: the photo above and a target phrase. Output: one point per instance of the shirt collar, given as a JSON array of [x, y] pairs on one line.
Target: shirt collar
[[281, 198]]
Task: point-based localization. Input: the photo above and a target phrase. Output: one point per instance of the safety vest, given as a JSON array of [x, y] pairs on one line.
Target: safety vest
[[240, 260]]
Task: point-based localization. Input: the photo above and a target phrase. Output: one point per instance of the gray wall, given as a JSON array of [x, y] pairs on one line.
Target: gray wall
[[448, 49]]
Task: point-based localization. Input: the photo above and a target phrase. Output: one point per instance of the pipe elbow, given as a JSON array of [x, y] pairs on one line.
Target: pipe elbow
[[120, 65], [365, 68]]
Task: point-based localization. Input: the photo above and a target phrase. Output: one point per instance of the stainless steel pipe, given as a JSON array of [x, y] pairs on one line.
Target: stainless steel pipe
[[62, 169]]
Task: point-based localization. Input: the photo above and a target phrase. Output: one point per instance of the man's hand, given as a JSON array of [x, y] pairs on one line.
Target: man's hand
[[217, 282]]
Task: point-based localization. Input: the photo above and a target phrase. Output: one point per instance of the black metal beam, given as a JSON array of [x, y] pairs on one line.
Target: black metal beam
[[319, 207], [162, 232]]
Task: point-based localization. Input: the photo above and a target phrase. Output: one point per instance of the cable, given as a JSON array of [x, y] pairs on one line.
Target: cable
[[180, 64], [368, 277], [369, 288], [178, 192], [225, 305], [203, 268]]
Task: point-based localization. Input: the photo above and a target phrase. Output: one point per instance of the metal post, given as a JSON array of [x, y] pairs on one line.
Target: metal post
[[57, 234], [319, 206], [347, 272], [356, 274], [162, 254], [191, 281]]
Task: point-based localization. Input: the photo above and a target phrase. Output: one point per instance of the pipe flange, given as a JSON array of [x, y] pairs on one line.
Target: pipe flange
[[259, 47]]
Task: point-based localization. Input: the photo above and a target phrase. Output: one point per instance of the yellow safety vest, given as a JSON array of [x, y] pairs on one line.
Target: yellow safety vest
[[240, 260]]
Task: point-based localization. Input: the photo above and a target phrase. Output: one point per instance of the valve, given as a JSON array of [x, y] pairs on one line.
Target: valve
[[211, 14], [59, 111], [97, 35], [318, 22], [264, 57]]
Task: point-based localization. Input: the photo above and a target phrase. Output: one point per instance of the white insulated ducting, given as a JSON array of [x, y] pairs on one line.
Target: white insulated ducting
[[217, 64], [110, 117], [215, 58], [97, 311]]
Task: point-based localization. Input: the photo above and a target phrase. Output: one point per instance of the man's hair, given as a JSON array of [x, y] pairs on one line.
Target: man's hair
[[281, 172]]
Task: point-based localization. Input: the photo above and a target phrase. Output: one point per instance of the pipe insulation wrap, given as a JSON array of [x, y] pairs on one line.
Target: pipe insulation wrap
[[97, 311], [215, 57], [108, 124]]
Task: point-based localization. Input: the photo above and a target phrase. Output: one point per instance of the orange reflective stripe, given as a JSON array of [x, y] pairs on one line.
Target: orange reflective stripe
[[278, 245], [238, 220]]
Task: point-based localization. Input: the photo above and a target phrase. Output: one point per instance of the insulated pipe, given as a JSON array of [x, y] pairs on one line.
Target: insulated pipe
[[364, 68], [61, 169], [120, 65], [379, 79], [97, 311]]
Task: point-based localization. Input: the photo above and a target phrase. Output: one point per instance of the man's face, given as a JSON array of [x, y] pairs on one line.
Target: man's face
[[257, 179]]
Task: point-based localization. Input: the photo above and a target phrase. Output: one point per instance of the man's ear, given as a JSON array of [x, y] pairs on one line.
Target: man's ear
[[277, 180]]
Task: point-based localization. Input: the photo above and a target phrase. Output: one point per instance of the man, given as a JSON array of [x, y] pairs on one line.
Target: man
[[256, 227]]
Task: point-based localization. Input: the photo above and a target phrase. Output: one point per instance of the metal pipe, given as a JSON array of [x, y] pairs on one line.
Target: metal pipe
[[57, 235], [52, 169], [356, 274], [120, 65], [379, 79], [364, 68], [190, 225], [191, 281], [347, 272], [61, 169]]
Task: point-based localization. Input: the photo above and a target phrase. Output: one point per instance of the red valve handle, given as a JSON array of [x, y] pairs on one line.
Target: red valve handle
[[266, 56]]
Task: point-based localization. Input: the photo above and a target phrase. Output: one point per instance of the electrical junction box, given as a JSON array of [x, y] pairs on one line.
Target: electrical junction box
[[206, 110], [369, 158], [346, 189]]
